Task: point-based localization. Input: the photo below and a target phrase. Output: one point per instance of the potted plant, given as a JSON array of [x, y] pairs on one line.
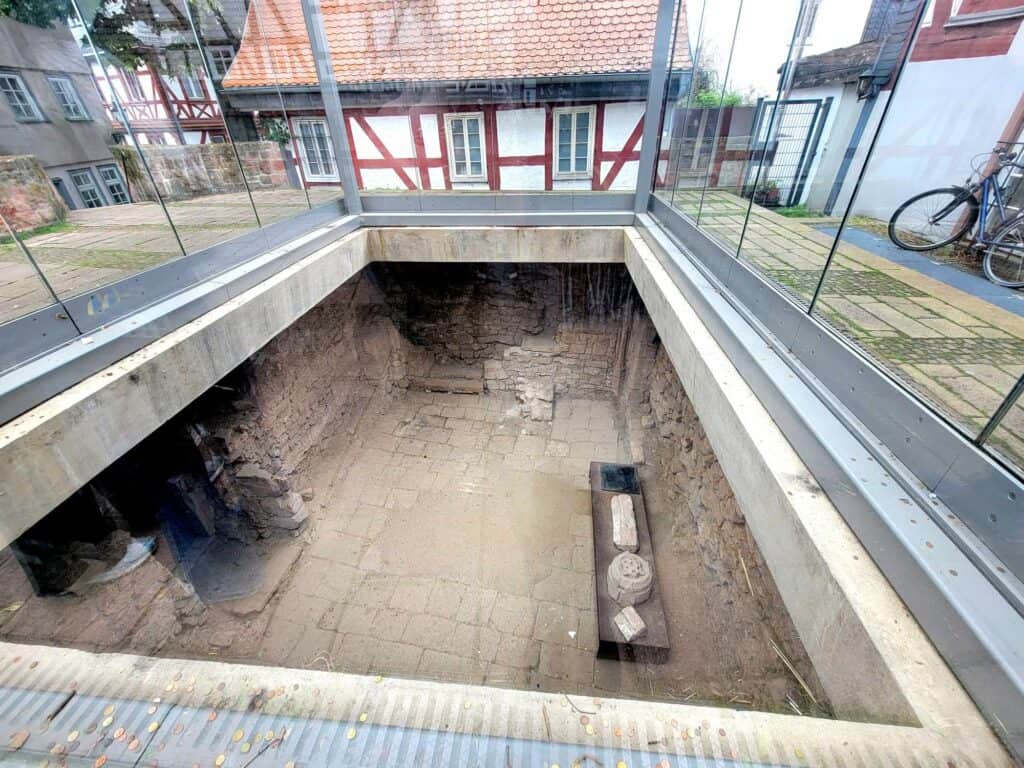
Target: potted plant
[[767, 194]]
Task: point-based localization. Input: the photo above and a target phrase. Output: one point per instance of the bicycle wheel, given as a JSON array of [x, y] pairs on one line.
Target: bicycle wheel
[[1004, 259], [933, 219]]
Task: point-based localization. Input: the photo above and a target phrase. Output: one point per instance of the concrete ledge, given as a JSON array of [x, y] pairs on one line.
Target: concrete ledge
[[584, 245], [871, 656], [53, 450], [196, 709]]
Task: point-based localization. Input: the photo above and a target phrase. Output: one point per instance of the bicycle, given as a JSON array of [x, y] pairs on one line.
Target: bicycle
[[942, 216]]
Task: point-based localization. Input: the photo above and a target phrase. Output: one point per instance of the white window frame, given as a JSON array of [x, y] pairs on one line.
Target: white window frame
[[449, 118], [108, 182], [72, 94], [192, 86], [301, 144], [929, 14], [94, 185], [573, 174], [132, 86], [30, 100], [217, 64]]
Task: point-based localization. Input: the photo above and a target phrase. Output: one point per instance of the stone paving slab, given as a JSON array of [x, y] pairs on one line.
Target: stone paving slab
[[101, 245]]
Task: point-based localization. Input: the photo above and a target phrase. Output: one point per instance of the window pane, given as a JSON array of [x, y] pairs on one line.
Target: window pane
[[476, 168], [563, 164], [460, 168]]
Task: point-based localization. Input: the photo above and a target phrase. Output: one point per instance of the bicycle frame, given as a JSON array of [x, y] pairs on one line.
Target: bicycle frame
[[991, 194]]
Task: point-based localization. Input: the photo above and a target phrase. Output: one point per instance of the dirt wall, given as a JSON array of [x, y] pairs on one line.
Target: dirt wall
[[554, 324]]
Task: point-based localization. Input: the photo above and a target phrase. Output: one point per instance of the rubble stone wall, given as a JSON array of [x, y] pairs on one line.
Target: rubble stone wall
[[195, 170], [27, 197]]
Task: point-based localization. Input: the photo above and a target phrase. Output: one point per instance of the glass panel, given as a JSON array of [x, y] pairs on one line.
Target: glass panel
[[512, 63], [1007, 440], [693, 110], [811, 143], [69, 223], [742, 112], [924, 309], [256, 86], [22, 290]]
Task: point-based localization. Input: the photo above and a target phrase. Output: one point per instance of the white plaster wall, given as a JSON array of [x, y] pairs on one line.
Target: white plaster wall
[[193, 137], [520, 132], [522, 177], [431, 139], [571, 184], [944, 113], [393, 131], [384, 178], [463, 185], [626, 178], [436, 178], [619, 121], [362, 147]]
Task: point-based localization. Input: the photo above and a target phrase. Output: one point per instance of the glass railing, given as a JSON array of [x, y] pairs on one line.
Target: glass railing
[[809, 126]]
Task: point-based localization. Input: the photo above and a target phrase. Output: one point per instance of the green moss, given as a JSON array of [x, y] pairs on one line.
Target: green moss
[[46, 229]]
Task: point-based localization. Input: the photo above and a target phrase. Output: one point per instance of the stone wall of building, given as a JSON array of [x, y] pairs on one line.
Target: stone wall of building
[[196, 170], [27, 198]]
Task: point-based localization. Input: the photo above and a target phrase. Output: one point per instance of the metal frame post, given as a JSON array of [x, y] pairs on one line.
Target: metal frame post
[[661, 60], [313, 15]]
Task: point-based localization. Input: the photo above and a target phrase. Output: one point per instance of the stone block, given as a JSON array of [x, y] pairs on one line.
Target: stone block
[[630, 579], [629, 623], [624, 534]]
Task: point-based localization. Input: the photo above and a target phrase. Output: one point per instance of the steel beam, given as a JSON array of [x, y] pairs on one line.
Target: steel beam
[[313, 16], [650, 143]]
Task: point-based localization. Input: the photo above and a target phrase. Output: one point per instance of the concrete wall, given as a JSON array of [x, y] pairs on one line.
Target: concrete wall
[[27, 198], [33, 53]]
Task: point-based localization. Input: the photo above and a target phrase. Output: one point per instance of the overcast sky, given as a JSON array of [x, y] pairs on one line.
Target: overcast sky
[[764, 34]]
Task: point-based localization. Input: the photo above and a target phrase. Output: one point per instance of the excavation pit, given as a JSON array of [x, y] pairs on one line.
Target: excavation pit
[[393, 437], [438, 423]]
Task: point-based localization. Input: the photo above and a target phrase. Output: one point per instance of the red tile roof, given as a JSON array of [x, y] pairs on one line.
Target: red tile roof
[[430, 40]]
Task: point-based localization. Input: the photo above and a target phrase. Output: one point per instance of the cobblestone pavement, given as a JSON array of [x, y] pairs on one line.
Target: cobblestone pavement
[[957, 351], [100, 245]]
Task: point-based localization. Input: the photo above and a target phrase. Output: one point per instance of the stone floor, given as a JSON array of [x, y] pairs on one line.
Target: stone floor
[[959, 352], [100, 245], [451, 539]]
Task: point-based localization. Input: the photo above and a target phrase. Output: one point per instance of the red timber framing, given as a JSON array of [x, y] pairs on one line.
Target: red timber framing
[[413, 172], [151, 115]]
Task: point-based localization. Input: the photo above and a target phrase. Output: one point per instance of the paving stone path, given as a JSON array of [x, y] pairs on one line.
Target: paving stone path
[[100, 245], [957, 351]]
